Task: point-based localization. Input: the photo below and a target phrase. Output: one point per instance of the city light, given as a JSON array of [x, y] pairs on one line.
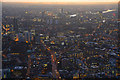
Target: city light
[[56, 41]]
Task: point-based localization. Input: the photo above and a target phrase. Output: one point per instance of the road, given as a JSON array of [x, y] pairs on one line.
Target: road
[[55, 72]]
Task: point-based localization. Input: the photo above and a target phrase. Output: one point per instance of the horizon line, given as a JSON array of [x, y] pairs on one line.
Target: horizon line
[[86, 2]]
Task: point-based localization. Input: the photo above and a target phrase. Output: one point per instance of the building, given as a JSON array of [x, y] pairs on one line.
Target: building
[[28, 36], [15, 25], [65, 63]]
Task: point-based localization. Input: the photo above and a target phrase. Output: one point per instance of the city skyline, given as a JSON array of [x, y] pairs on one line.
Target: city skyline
[[59, 1]]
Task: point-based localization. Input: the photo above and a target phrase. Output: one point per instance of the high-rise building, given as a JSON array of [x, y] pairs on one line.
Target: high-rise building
[[56, 21], [51, 21], [48, 21], [28, 36], [43, 14], [61, 10], [15, 25]]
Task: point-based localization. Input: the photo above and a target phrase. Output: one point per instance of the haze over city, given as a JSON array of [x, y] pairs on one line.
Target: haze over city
[[60, 0]]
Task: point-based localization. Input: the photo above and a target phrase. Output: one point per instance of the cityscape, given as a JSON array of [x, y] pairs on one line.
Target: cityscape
[[60, 41]]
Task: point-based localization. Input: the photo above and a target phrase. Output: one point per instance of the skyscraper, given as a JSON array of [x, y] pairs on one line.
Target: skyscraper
[[15, 25], [61, 10], [28, 36]]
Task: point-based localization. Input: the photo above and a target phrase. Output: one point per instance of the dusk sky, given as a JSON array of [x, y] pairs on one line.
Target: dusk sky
[[60, 0]]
